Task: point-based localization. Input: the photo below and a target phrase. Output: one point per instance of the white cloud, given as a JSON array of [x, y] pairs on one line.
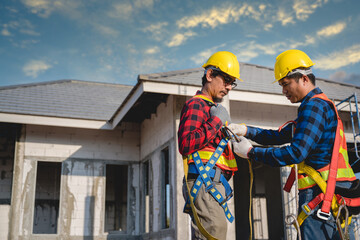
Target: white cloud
[[22, 26], [157, 30], [201, 57], [106, 30], [309, 40], [44, 8], [304, 8], [5, 32], [336, 60], [34, 67], [152, 50], [121, 10], [220, 16], [125, 10], [331, 30], [143, 3], [284, 17], [180, 38]]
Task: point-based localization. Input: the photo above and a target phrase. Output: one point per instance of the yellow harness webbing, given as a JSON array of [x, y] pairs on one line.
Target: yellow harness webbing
[[313, 174]]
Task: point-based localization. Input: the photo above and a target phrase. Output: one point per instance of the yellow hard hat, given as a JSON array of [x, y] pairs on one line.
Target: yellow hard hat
[[290, 60], [225, 61]]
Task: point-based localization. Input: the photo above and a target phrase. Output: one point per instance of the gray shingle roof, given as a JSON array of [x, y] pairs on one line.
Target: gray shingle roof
[[64, 98], [256, 79]]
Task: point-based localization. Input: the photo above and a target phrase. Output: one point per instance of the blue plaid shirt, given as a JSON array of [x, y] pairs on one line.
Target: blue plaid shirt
[[312, 142]]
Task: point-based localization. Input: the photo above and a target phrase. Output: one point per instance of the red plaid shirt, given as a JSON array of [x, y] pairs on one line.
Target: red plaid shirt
[[197, 128]]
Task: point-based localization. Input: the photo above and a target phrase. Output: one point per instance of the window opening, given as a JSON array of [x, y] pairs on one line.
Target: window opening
[[116, 198], [146, 175], [47, 195], [8, 134], [165, 188]]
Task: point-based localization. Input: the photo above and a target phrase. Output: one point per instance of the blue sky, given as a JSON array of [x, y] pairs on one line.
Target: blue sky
[[115, 40]]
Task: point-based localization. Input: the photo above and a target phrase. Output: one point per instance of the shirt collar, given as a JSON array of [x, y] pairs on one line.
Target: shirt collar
[[311, 94]]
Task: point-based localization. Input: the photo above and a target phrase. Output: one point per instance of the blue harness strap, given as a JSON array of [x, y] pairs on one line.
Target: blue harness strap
[[206, 172]]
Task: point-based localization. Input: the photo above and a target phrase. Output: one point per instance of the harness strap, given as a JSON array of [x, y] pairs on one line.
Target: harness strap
[[290, 181], [195, 215], [212, 174], [350, 202], [309, 207], [312, 173], [207, 171]]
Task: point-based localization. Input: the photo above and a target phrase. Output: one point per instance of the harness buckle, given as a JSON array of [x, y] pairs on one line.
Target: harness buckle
[[227, 198], [323, 215], [307, 210], [209, 187]]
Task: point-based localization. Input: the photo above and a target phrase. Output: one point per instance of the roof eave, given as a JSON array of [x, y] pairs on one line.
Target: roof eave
[[54, 121]]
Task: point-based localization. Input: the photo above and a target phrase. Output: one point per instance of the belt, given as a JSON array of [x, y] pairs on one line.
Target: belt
[[226, 173]]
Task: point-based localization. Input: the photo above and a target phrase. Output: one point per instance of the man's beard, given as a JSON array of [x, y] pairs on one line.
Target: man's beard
[[218, 100]]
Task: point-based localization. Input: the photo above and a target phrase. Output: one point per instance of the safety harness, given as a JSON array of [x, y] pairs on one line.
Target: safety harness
[[208, 174], [326, 177]]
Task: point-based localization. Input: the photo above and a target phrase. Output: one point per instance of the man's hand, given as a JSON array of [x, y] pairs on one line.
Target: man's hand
[[221, 112], [238, 129], [242, 148]]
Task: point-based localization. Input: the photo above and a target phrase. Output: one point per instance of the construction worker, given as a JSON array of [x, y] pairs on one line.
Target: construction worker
[[311, 136], [199, 136]]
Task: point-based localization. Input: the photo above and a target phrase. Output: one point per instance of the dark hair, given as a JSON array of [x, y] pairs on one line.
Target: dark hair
[[297, 76], [214, 73]]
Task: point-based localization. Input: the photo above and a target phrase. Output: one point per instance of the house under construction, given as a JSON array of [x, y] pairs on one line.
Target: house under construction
[[86, 160]]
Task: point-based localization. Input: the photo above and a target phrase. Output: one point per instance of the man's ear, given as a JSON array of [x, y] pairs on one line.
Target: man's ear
[[208, 75], [306, 79]]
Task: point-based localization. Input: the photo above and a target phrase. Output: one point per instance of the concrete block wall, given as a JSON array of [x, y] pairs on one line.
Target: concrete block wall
[[84, 155], [157, 134], [159, 129], [264, 115], [83, 188], [119, 144]]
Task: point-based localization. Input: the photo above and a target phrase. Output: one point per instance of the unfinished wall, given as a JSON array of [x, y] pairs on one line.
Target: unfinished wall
[[52, 142], [183, 220], [83, 155], [157, 134], [157, 130], [7, 147], [264, 115]]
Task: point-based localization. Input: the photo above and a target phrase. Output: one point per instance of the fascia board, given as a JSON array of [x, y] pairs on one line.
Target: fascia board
[[54, 121], [168, 88], [127, 106], [185, 90]]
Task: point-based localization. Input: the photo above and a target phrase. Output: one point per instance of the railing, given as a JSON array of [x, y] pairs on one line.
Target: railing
[[355, 121]]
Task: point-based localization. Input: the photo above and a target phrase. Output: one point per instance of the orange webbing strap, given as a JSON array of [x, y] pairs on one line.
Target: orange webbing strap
[[195, 215], [331, 182]]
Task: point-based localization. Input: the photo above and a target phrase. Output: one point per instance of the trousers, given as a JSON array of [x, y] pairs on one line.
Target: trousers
[[314, 228], [210, 213]]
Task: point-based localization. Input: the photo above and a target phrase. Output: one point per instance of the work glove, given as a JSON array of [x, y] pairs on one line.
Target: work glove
[[238, 129], [242, 148], [221, 112]]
